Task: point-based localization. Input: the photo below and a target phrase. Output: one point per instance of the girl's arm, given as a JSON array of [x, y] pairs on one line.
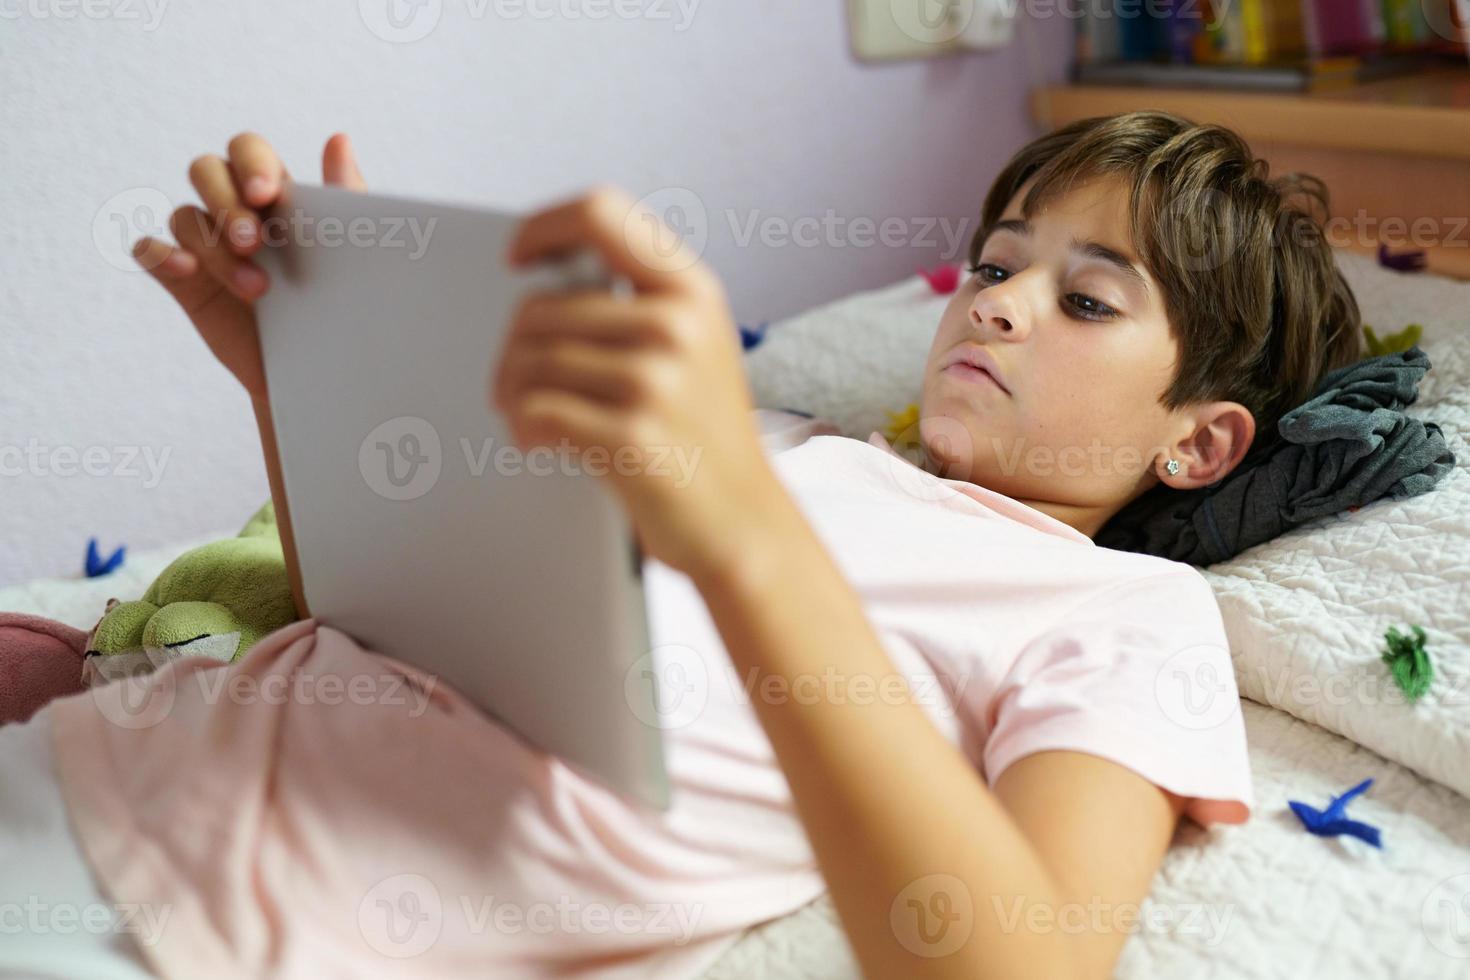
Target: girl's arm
[[932, 873], [266, 425], [211, 273]]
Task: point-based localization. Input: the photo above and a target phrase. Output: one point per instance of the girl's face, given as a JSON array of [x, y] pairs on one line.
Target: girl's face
[[1075, 327]]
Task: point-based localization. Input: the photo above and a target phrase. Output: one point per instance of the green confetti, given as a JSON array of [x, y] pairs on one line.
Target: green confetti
[[1408, 661], [1394, 342]]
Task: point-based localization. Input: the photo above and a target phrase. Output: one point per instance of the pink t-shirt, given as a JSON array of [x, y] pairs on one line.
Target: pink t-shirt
[[319, 810]]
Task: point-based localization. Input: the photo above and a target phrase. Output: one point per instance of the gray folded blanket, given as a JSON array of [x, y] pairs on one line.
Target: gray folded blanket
[[1350, 445]]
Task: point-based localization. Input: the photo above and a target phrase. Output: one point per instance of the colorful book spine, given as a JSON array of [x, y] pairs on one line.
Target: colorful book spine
[[1399, 27], [1137, 37], [1229, 35], [1253, 30], [1181, 24], [1273, 30], [1373, 18], [1097, 39], [1288, 30], [1340, 27]]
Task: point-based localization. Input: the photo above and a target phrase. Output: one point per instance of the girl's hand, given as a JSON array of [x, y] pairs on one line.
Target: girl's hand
[[654, 380], [210, 272]]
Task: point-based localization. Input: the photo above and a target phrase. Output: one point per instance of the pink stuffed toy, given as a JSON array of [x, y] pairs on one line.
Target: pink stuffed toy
[[40, 659]]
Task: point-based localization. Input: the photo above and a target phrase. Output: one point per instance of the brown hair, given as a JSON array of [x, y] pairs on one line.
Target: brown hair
[[1253, 296]]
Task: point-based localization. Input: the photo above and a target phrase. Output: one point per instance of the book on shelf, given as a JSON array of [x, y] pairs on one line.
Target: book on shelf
[[1269, 45]]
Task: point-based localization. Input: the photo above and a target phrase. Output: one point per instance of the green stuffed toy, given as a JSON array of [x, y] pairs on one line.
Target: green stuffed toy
[[217, 601]]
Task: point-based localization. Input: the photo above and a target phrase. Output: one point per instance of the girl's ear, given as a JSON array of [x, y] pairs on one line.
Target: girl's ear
[[1224, 432]]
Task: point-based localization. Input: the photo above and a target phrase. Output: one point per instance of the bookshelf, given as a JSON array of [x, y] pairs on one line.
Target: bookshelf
[[1392, 152]]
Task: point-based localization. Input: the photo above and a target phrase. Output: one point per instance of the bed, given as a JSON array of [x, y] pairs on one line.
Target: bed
[[1305, 614]]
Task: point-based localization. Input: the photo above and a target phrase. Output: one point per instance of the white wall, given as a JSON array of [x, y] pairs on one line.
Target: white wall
[[755, 106]]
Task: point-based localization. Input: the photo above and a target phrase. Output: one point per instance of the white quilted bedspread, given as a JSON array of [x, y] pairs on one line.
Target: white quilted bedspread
[[1306, 612], [1263, 900]]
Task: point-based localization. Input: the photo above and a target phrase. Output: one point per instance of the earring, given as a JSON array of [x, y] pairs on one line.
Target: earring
[[1173, 467]]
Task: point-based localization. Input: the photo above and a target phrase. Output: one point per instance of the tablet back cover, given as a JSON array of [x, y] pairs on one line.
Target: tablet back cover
[[420, 530]]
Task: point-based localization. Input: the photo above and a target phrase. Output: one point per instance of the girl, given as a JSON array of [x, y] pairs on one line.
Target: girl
[[922, 687]]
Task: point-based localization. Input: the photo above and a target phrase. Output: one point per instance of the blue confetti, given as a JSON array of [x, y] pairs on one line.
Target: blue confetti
[[96, 567], [751, 336], [1331, 822]]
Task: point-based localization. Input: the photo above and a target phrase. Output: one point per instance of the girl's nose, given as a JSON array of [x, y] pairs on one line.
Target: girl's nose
[[999, 308], [1001, 322]]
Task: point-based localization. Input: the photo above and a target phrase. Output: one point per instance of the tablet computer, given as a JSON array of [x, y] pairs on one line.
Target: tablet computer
[[420, 529]]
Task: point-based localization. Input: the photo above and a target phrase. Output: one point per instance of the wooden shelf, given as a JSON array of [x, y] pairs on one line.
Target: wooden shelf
[[1421, 115]]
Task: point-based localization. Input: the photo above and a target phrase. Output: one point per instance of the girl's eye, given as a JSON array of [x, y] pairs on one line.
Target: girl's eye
[[989, 273], [1078, 305], [1087, 308]]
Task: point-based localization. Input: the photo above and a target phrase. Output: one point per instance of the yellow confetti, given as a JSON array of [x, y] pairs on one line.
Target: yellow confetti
[[903, 428]]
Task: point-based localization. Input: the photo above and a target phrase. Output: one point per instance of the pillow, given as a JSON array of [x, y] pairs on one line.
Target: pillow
[[852, 361]]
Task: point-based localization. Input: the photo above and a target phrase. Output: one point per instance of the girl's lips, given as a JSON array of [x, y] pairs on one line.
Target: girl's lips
[[972, 374], [976, 357]]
